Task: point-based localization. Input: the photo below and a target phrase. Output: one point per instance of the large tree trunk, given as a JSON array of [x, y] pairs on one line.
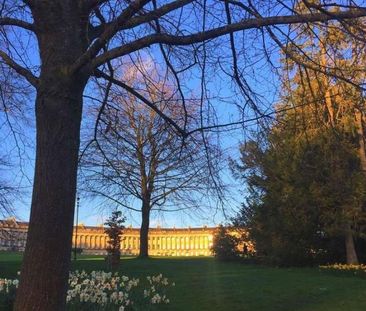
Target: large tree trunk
[[351, 254], [327, 92], [361, 139], [144, 231], [46, 262]]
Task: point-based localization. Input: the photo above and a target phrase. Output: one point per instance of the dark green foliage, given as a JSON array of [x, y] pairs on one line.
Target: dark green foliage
[[301, 193], [225, 245], [114, 231]]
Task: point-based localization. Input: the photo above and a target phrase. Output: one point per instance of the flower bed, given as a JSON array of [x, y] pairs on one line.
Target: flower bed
[[359, 270], [101, 290]]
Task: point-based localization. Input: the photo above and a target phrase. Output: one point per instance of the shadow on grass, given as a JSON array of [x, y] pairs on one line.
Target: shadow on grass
[[205, 284]]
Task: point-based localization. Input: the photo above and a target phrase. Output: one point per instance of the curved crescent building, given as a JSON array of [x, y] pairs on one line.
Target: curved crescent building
[[93, 240]]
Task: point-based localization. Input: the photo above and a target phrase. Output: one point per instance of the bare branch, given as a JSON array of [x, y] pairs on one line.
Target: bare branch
[[8, 21], [220, 31], [108, 33], [143, 99], [309, 65], [19, 69], [145, 18]]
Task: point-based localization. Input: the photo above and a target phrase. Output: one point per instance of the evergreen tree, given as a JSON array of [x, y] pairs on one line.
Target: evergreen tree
[[300, 193], [330, 112], [114, 231], [306, 176]]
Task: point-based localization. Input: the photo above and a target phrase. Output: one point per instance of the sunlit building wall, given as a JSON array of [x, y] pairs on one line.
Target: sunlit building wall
[[93, 240]]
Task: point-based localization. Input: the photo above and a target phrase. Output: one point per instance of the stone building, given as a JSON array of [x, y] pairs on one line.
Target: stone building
[[13, 234], [93, 240]]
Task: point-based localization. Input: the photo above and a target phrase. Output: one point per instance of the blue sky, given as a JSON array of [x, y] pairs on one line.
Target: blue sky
[[93, 212]]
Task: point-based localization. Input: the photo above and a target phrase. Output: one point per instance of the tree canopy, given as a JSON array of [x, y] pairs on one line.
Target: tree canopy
[[306, 174]]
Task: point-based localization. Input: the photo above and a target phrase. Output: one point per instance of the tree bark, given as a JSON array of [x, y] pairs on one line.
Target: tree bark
[[46, 262], [144, 231], [327, 91], [46, 259], [361, 139], [351, 254]]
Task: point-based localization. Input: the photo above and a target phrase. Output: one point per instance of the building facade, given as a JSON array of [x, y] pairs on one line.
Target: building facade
[[93, 240]]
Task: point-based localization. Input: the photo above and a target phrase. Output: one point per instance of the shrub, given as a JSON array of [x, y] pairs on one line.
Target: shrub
[[225, 245]]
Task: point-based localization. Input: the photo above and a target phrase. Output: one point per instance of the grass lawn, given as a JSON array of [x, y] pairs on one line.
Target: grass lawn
[[205, 284]]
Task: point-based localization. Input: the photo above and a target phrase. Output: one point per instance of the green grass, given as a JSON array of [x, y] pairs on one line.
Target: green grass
[[205, 284]]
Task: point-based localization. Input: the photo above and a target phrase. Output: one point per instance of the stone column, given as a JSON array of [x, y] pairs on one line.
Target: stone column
[[100, 242]]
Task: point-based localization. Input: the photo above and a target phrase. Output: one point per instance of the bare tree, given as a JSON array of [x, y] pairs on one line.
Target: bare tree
[[7, 193], [14, 122], [74, 39], [13, 140], [137, 155]]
